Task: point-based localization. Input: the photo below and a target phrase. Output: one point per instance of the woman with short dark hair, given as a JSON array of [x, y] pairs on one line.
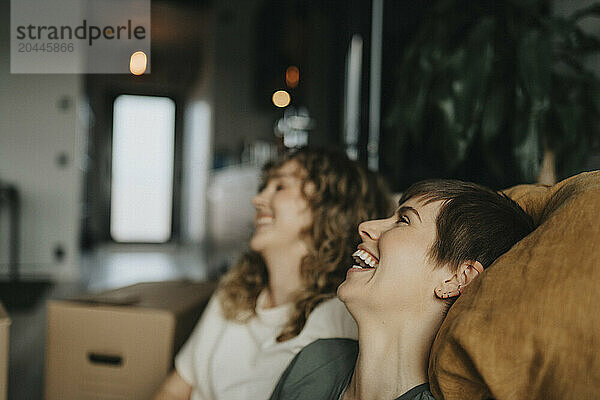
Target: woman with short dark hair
[[409, 268]]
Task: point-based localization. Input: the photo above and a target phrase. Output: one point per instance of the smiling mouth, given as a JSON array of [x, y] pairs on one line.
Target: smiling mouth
[[364, 260], [264, 220]]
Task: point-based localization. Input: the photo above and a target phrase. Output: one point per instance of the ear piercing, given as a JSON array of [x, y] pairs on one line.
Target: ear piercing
[[445, 295]]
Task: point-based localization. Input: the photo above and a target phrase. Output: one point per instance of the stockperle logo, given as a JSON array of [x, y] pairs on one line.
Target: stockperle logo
[[80, 36]]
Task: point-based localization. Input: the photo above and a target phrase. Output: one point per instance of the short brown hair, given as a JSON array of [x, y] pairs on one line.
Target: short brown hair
[[474, 222]]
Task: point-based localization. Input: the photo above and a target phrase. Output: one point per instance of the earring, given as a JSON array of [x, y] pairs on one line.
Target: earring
[[459, 288]]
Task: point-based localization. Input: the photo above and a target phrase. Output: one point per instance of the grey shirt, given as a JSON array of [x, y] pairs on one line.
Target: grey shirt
[[322, 371]]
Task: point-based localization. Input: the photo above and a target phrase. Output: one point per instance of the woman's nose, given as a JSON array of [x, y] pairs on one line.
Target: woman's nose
[[370, 229], [259, 200]]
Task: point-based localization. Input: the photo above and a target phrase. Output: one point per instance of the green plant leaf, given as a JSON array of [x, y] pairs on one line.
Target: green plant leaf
[[593, 10], [494, 114], [528, 152], [498, 80], [594, 91], [534, 63], [461, 98]]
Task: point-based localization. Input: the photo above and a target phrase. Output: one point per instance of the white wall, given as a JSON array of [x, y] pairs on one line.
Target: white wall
[[34, 131]]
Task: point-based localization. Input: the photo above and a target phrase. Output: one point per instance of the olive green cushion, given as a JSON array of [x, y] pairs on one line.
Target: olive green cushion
[[529, 327]]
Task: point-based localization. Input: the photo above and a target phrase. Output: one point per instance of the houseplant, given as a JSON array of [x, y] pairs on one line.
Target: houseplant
[[495, 85]]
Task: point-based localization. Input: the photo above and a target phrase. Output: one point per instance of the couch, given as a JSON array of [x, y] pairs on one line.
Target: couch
[[529, 328]]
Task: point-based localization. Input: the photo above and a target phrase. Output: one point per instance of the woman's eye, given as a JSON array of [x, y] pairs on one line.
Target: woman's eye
[[279, 187], [402, 220]]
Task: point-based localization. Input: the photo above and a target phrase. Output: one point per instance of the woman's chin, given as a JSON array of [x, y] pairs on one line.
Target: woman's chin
[[355, 287], [256, 244], [343, 291]]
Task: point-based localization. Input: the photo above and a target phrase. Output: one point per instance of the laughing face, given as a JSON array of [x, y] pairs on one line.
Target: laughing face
[[393, 271], [282, 211]]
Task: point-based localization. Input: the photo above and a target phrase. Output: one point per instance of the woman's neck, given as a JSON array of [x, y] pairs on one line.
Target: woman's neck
[[284, 275], [392, 358]]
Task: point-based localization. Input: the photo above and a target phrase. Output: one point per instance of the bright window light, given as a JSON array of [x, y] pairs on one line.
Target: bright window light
[[142, 169], [196, 164]]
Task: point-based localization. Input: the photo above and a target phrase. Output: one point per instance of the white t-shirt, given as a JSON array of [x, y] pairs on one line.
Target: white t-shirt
[[228, 360]]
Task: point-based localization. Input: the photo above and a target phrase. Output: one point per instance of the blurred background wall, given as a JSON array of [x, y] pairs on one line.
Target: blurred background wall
[[42, 138], [220, 62]]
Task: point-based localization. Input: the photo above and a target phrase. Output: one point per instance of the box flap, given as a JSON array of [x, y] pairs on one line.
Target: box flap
[[174, 296], [4, 319]]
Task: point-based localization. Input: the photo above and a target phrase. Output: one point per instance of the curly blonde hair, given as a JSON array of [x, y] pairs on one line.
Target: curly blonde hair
[[344, 195]]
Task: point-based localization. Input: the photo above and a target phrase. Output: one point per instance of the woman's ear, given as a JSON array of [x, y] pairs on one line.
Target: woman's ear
[[465, 274]]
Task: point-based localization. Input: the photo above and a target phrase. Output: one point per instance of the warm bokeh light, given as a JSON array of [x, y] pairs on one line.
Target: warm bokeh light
[[138, 62], [292, 76], [281, 98]]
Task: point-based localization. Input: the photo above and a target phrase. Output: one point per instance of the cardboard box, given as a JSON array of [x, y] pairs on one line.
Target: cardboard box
[[4, 336], [119, 344]]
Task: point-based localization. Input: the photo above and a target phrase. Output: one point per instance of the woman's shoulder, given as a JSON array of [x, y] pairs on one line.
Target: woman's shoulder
[[332, 319], [320, 369], [326, 350], [330, 306]]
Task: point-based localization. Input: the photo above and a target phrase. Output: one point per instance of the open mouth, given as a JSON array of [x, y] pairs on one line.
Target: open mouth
[[364, 260], [263, 220]]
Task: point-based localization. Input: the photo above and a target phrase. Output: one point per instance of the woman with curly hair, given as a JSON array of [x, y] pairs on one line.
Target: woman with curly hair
[[281, 295]]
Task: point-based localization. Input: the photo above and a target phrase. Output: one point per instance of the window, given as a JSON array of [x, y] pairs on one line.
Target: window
[[142, 169]]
